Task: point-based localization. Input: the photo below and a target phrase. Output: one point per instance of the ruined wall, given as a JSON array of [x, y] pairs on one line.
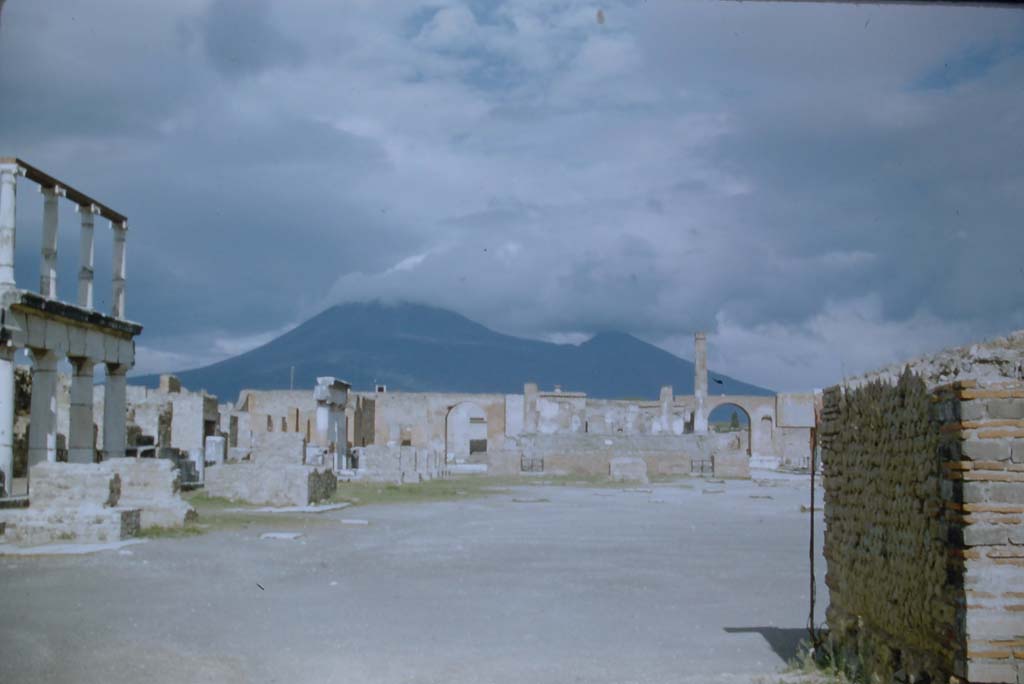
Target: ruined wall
[[924, 541], [421, 418], [398, 464], [590, 454], [363, 421], [272, 485]]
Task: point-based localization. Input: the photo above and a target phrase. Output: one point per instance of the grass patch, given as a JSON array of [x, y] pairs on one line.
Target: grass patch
[[365, 493], [189, 529], [471, 486], [823, 665]]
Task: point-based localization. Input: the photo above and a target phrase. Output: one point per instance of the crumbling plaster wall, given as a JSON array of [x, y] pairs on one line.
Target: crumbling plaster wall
[[421, 418]]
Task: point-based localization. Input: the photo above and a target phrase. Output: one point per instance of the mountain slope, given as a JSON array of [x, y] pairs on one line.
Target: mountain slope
[[417, 348]]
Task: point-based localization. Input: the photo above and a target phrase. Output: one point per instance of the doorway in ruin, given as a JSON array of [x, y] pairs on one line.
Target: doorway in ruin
[[465, 432], [731, 419]]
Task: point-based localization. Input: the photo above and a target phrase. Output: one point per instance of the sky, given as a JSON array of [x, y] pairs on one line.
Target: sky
[[824, 189]]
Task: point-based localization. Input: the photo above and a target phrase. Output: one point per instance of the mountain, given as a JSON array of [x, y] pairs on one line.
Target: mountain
[[415, 348]]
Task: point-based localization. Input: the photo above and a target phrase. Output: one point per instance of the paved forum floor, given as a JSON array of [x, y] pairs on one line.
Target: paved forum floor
[[537, 584]]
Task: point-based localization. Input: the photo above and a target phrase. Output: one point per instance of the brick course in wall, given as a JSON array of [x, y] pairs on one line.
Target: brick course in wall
[[924, 511]]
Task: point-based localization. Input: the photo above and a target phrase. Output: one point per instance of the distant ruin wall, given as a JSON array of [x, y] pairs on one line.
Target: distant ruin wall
[[590, 454], [924, 491]]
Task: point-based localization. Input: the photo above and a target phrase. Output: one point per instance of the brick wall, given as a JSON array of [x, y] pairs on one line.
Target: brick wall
[[924, 501]]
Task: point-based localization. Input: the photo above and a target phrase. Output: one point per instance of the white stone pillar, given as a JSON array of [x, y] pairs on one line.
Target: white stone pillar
[[48, 263], [117, 296], [7, 418], [85, 258], [323, 424], [81, 447], [8, 193], [42, 427], [199, 458], [115, 412], [700, 381]]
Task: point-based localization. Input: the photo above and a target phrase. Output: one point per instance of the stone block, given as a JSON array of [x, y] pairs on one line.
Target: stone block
[[94, 345], [152, 486], [986, 535], [627, 469], [731, 464], [270, 484], [76, 342], [36, 332], [73, 485], [1017, 450], [279, 447], [1006, 409], [1006, 492], [85, 525], [57, 337], [993, 625], [986, 449], [991, 672], [215, 449]]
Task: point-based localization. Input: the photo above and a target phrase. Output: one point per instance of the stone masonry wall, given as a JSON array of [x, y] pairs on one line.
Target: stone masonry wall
[[924, 539]]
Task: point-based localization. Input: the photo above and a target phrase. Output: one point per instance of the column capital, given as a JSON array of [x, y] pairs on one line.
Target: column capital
[[9, 172], [87, 212], [119, 226], [43, 359], [53, 191], [77, 361], [117, 368]]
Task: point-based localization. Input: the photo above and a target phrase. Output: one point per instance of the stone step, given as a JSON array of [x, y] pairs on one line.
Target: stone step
[[85, 526], [467, 468]]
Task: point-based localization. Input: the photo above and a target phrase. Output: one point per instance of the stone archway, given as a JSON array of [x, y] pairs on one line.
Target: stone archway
[[465, 432], [719, 422]]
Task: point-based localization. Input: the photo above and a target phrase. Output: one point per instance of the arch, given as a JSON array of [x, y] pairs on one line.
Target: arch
[[721, 419], [757, 408], [465, 431]]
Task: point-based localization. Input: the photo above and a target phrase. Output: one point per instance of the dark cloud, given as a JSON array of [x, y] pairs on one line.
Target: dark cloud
[[241, 39], [816, 193]]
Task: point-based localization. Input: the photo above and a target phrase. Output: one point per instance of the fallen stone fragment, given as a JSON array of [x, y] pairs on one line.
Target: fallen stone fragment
[[354, 521], [281, 535]]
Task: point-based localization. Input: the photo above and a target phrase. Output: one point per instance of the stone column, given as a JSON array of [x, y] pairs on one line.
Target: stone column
[[700, 381], [120, 234], [323, 424], [81, 448], [8, 192], [115, 413], [7, 418], [665, 398], [42, 428], [85, 259], [48, 264], [199, 458]]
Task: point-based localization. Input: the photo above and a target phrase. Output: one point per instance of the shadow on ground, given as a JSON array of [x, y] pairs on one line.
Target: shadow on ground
[[785, 642]]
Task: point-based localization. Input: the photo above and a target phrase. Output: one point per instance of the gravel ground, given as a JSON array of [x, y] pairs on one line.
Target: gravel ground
[[693, 581]]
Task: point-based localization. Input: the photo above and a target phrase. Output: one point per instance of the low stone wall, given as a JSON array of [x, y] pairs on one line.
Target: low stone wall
[[279, 447], [590, 454], [731, 465], [271, 484], [626, 469], [399, 464], [71, 503], [152, 486], [924, 492]]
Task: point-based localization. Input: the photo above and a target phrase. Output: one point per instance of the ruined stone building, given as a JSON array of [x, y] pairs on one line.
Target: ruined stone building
[[80, 500], [559, 431]]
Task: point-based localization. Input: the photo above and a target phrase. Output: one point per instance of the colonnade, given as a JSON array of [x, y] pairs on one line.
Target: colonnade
[[74, 327]]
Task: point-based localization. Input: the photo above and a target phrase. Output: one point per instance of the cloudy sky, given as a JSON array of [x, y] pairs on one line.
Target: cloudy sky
[[824, 188]]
